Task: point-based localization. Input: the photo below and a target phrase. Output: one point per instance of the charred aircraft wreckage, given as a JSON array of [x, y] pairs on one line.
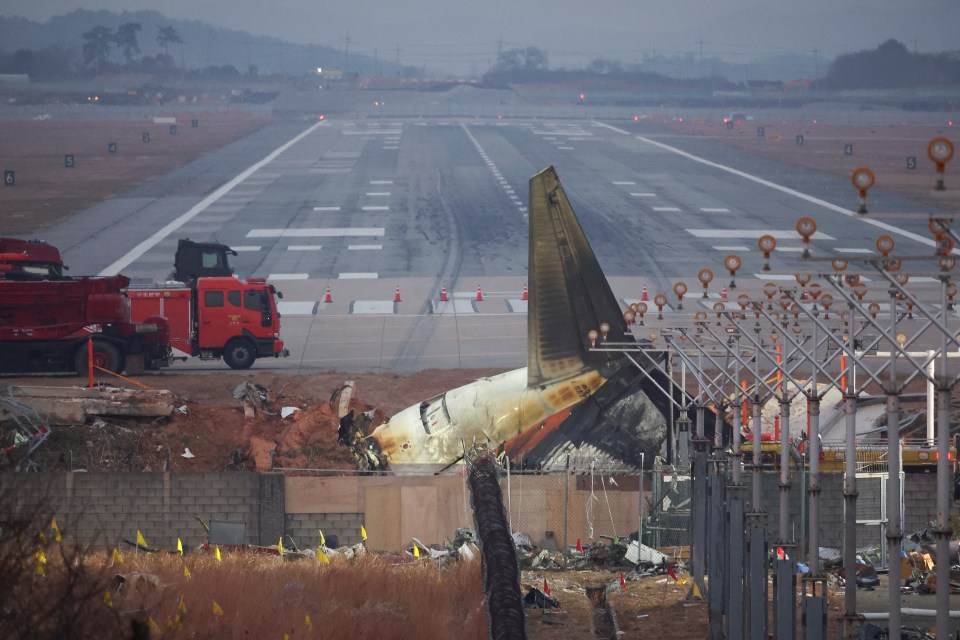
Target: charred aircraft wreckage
[[569, 399]]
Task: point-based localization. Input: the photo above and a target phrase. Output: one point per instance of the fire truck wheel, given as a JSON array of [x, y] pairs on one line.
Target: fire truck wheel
[[105, 355], [239, 354]]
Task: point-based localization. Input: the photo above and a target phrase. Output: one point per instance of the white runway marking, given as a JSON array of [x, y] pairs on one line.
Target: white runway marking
[[246, 247], [375, 208], [565, 148], [852, 250], [714, 209], [198, 208], [372, 307], [364, 247], [665, 208], [643, 195], [358, 275], [773, 185], [623, 183], [381, 182], [378, 193], [304, 247], [778, 277], [292, 308], [731, 247], [326, 208], [288, 276], [742, 234], [329, 232]]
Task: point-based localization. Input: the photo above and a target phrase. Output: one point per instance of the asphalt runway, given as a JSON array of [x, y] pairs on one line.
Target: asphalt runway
[[376, 208]]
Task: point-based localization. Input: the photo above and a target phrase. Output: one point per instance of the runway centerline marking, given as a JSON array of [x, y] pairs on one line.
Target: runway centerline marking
[[198, 208], [779, 187], [304, 247], [714, 209], [364, 247], [326, 208]]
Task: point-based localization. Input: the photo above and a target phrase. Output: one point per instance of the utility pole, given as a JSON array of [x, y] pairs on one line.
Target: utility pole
[[398, 60], [346, 53], [816, 63]]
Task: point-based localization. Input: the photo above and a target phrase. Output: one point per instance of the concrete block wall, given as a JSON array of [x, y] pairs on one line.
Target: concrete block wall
[[919, 496], [103, 509]]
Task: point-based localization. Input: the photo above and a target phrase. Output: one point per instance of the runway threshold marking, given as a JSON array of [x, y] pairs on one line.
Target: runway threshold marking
[[779, 187], [196, 209], [327, 232]]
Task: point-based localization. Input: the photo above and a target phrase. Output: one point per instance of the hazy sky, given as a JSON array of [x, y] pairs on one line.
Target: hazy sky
[[462, 35]]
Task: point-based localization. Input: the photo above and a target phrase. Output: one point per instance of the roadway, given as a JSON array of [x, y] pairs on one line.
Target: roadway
[[365, 207]]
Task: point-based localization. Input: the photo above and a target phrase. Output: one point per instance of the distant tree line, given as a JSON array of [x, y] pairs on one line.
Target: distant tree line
[[892, 66], [106, 50]]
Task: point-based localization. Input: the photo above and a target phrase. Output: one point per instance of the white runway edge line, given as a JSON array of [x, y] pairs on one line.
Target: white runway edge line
[[773, 185], [172, 226]]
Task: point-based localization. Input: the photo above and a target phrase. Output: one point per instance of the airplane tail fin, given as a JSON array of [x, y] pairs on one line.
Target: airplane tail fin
[[568, 293]]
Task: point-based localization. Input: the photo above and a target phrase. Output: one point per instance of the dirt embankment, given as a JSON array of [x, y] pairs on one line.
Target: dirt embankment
[[211, 423]]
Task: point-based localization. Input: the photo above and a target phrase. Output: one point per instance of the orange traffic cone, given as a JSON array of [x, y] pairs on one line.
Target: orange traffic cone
[[327, 297], [443, 294], [526, 296], [579, 546], [546, 587], [479, 294], [396, 294], [643, 296], [623, 582]]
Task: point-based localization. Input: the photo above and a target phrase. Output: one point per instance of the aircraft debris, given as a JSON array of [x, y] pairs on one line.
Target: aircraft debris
[[187, 453], [286, 412], [537, 599], [255, 398], [27, 431]]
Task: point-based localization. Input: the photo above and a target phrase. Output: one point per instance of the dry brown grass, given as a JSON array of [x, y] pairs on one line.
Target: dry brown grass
[[267, 597]]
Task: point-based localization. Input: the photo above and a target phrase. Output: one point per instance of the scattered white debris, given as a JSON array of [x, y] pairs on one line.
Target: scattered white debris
[[187, 453], [182, 409], [286, 412]]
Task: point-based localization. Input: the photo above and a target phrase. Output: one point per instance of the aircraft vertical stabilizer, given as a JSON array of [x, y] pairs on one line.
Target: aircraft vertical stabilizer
[[569, 295]]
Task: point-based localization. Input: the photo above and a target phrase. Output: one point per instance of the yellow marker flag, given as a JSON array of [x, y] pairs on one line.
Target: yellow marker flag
[[186, 572], [117, 558], [280, 546], [56, 530], [179, 547], [217, 611], [218, 553], [42, 538], [308, 622], [286, 636], [41, 556], [696, 592], [416, 551], [363, 533], [41, 571], [141, 540], [175, 622], [107, 600], [322, 557], [154, 628], [323, 540], [182, 607]]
